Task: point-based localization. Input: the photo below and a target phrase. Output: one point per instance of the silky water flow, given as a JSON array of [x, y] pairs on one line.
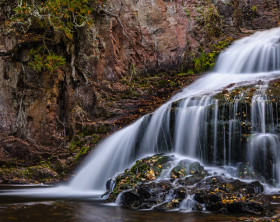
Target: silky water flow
[[195, 124]]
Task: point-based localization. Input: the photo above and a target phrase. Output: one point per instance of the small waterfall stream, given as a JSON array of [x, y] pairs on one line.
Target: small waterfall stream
[[197, 124], [264, 143]]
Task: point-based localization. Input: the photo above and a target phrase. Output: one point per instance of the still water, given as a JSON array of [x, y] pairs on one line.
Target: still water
[[87, 209]]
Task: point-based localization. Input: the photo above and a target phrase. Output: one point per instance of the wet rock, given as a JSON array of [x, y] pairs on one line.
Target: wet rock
[[156, 191], [144, 192], [178, 172], [254, 187], [196, 168], [233, 197], [108, 184], [180, 193], [191, 180], [136, 189], [144, 170], [167, 206], [246, 171], [245, 207], [199, 197], [197, 207], [128, 198], [185, 163], [216, 180], [192, 167], [219, 201]]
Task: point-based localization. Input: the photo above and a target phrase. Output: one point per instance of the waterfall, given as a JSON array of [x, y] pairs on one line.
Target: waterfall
[[260, 53], [196, 124], [264, 143], [192, 113]]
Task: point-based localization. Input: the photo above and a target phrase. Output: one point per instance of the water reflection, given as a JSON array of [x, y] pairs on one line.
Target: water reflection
[[90, 209]]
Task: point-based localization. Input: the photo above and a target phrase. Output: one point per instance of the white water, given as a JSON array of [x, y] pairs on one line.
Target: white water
[[180, 125], [260, 55], [264, 142]]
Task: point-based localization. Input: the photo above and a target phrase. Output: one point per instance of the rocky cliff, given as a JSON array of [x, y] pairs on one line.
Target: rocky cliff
[[49, 120]]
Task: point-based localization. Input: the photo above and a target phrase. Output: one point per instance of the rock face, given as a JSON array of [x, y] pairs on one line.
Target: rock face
[[185, 186], [41, 112], [160, 35]]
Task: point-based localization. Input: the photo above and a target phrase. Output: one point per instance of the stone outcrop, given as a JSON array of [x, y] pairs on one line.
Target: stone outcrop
[[193, 188], [40, 113]]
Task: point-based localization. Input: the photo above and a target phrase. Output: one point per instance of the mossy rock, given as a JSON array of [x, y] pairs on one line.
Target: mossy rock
[[217, 193], [233, 196], [178, 172], [167, 206], [246, 171], [144, 170], [34, 174], [196, 168], [191, 180]]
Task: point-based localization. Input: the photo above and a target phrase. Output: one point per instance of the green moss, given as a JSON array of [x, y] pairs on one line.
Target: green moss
[[95, 139], [74, 144], [43, 60], [103, 129], [42, 173], [83, 142], [83, 151], [61, 16], [247, 93], [178, 172], [206, 61], [54, 21], [133, 70], [273, 90], [210, 20], [254, 8], [144, 170], [188, 12], [88, 136]]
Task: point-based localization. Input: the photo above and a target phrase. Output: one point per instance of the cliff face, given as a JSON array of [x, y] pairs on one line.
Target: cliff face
[[41, 113], [159, 35]]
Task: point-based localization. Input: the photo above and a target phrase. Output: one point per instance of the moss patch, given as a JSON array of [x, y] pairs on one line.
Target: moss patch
[[143, 170]]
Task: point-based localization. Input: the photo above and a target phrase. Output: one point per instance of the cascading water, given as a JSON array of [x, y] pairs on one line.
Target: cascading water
[[219, 119], [195, 123], [264, 144], [260, 55]]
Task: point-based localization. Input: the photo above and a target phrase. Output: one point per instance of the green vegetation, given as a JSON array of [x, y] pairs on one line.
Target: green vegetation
[[144, 170], [254, 8], [85, 140], [32, 174], [63, 17], [51, 23], [42, 61], [82, 151], [210, 20], [206, 61], [188, 12]]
